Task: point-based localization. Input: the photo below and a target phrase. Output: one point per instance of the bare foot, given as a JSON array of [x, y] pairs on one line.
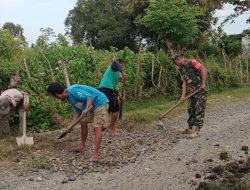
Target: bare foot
[[115, 130], [83, 148]]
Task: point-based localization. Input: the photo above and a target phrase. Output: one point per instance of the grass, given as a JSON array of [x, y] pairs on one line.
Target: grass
[[144, 111]]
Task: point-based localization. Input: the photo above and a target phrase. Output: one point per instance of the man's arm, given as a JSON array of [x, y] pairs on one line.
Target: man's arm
[[204, 78], [199, 67], [89, 103], [184, 90], [76, 116]]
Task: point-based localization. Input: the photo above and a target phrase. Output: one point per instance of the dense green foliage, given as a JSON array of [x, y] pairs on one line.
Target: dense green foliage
[[173, 22], [117, 23], [103, 23], [82, 62]]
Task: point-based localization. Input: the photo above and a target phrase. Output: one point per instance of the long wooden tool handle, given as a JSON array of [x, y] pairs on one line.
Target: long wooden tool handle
[[72, 125], [24, 124], [121, 103], [180, 102]]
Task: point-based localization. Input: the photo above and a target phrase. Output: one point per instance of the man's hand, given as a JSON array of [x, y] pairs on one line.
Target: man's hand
[[202, 87], [124, 76], [122, 98], [25, 107], [182, 99], [84, 112]]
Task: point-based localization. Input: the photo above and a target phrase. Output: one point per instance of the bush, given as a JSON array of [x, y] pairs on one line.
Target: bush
[[209, 49]]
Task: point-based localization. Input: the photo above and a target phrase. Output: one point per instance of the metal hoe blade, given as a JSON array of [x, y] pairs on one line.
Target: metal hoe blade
[[24, 140]]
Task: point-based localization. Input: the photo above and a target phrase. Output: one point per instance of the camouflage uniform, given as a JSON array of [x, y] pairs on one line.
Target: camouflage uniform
[[197, 103]]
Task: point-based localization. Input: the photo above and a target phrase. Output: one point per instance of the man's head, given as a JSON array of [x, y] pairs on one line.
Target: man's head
[[121, 62], [178, 59], [58, 90], [5, 105]]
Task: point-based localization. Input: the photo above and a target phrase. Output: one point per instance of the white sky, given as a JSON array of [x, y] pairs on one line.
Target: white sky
[[35, 14], [240, 22]]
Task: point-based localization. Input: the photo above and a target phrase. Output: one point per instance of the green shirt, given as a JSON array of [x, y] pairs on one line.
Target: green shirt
[[110, 79]]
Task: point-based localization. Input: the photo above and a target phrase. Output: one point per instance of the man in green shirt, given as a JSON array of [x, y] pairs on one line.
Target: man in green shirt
[[107, 86]]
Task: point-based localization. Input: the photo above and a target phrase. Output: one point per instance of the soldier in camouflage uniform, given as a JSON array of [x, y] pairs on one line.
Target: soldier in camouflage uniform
[[194, 76]]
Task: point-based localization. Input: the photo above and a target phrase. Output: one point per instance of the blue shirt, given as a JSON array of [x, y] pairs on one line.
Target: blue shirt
[[80, 94]]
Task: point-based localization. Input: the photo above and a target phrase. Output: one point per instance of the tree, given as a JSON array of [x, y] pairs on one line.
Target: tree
[[246, 32], [241, 7], [9, 46], [172, 21], [61, 40], [104, 23], [232, 44], [15, 29], [47, 34]]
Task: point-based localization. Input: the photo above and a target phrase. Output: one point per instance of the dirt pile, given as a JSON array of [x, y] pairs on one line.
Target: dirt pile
[[234, 175], [116, 151]]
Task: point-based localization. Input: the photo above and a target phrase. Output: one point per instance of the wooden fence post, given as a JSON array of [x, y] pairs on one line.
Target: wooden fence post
[[241, 73], [65, 72], [152, 70]]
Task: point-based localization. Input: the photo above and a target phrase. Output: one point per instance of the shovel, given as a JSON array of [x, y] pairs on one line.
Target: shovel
[[175, 106], [24, 139], [72, 125]]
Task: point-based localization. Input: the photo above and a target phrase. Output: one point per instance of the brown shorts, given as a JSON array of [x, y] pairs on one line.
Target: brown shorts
[[99, 117]]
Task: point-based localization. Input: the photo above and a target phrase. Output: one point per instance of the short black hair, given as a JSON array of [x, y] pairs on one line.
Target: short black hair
[[56, 88], [120, 61]]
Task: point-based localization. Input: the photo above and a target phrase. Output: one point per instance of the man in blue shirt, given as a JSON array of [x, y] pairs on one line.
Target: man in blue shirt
[[107, 86], [81, 97]]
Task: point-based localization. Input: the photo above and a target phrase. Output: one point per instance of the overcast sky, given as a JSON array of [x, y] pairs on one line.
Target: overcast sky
[[35, 14]]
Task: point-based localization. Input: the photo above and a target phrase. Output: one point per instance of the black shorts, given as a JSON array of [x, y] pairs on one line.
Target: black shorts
[[113, 99]]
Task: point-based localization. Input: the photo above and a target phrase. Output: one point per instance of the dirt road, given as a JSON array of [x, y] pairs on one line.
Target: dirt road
[[172, 168]]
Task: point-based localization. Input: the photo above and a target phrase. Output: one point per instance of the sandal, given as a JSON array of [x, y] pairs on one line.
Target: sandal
[[92, 162]]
